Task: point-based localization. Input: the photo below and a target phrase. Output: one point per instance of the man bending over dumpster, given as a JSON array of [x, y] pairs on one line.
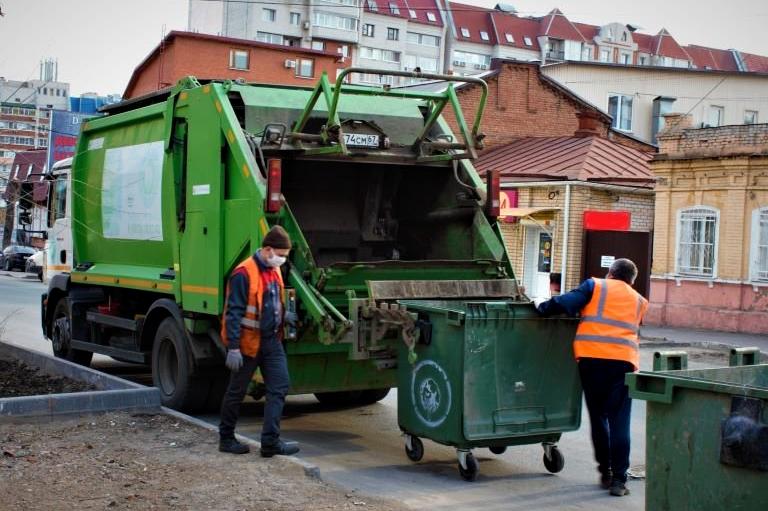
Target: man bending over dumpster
[[252, 332], [606, 348]]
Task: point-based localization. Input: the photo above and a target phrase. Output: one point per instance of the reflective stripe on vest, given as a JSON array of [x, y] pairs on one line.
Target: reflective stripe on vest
[[610, 324]]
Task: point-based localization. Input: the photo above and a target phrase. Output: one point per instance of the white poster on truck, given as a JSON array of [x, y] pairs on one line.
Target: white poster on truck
[[131, 192]]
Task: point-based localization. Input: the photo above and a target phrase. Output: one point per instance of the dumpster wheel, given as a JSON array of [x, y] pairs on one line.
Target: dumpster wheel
[[414, 448], [553, 458], [468, 467], [498, 449]]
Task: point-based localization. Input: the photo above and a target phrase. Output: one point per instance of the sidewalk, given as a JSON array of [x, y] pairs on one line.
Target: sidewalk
[[698, 337]]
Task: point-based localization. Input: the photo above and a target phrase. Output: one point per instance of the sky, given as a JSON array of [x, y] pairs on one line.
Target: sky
[[98, 43]]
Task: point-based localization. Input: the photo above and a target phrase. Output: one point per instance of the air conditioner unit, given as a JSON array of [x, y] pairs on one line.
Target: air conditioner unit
[[305, 25], [290, 63], [459, 63]]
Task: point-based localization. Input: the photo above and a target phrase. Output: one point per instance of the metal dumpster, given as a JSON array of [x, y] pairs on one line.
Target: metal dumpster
[[488, 374], [706, 438]]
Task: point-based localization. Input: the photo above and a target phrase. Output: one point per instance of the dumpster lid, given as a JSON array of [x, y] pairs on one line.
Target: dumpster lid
[[442, 289]]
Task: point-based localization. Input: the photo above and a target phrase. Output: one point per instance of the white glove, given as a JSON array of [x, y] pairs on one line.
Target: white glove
[[234, 360], [539, 301]]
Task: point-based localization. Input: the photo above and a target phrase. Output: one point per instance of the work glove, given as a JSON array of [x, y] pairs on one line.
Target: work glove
[[234, 360], [538, 301], [291, 318]]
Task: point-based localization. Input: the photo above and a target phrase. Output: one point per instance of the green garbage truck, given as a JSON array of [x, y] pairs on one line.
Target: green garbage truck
[[172, 190]]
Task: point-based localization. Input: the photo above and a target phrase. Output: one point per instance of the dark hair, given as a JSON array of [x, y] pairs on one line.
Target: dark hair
[[623, 269]]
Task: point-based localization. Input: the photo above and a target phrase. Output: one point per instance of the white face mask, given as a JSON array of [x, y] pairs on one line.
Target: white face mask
[[275, 261]]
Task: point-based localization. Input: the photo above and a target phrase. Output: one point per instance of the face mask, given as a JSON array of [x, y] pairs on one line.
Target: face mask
[[275, 261]]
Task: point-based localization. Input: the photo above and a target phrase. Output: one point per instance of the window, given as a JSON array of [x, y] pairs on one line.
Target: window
[[318, 45], [464, 32], [372, 5], [238, 59], [605, 55], [426, 64], [295, 18], [473, 60], [59, 200], [368, 30], [484, 35], [643, 60], [393, 34], [624, 37], [620, 108], [626, 58], [509, 38], [423, 39], [716, 114], [377, 54], [266, 37], [328, 20], [412, 13], [305, 68], [697, 232], [759, 257], [750, 116], [268, 14], [394, 9], [431, 16], [527, 41]]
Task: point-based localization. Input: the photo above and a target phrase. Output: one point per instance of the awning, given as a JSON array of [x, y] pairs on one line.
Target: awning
[[523, 212]]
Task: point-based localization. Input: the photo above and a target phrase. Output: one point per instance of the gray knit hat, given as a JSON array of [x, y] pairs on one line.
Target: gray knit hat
[[277, 237]]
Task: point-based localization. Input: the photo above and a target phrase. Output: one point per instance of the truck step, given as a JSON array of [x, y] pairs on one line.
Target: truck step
[[113, 321], [140, 357]]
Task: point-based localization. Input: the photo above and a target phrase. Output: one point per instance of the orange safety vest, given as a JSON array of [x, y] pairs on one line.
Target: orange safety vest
[[610, 322], [250, 333]]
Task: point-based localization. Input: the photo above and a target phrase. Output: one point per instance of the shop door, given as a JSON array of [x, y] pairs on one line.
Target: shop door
[[538, 262], [601, 248]]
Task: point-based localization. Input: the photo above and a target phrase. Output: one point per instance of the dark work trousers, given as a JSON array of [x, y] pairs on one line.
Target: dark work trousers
[[274, 368], [609, 407]]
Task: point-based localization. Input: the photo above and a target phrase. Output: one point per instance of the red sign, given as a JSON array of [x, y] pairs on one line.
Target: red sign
[[607, 220]]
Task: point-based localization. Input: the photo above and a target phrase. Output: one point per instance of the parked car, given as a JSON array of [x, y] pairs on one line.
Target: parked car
[[35, 264], [15, 256]]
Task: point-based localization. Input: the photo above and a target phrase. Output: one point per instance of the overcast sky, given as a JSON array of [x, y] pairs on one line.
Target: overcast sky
[[98, 43]]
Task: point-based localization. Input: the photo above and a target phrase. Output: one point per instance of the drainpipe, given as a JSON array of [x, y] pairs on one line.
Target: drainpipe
[[566, 228]]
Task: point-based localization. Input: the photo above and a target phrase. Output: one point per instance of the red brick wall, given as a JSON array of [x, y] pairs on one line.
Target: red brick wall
[[207, 59]]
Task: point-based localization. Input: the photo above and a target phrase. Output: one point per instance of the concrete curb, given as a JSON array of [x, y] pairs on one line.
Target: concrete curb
[[664, 342], [309, 469], [113, 394]]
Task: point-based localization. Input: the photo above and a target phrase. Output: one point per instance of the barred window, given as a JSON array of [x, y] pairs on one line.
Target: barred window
[[697, 241]]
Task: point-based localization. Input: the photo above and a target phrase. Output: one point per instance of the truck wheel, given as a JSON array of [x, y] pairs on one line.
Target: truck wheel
[[61, 335], [370, 396], [173, 371]]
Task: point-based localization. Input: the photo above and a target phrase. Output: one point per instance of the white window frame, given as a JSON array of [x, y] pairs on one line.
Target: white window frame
[[372, 6], [510, 38], [721, 115], [756, 245], [393, 34], [371, 32], [270, 38], [295, 16], [299, 63], [607, 54], [233, 61], [318, 45], [412, 13], [528, 41], [394, 9], [431, 16], [484, 35], [754, 118], [464, 32], [702, 210], [268, 15], [620, 109]]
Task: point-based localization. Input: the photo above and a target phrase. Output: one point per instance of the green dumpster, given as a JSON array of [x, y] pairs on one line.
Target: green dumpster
[[706, 438], [488, 374]]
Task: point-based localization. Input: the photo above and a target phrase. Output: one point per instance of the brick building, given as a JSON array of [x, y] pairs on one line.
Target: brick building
[[710, 267], [210, 57]]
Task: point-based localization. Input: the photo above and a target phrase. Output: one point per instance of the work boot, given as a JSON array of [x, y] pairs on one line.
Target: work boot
[[282, 448], [605, 479], [231, 445], [618, 488]]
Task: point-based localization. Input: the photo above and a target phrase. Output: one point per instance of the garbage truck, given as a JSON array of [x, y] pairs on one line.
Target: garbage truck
[[170, 191]]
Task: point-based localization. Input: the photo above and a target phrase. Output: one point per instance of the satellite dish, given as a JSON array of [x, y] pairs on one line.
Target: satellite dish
[[508, 8]]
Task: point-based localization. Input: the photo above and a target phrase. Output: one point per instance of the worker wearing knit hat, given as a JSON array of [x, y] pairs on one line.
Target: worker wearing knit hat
[[252, 331]]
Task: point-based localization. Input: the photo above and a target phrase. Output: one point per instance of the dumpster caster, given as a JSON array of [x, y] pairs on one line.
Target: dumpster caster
[[553, 458], [414, 448], [467, 465], [498, 449]]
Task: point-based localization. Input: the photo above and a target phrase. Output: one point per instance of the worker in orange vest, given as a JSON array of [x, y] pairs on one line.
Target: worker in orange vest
[[252, 331], [606, 348]]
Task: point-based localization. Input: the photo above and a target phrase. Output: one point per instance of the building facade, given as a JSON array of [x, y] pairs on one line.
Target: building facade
[[710, 267], [637, 97]]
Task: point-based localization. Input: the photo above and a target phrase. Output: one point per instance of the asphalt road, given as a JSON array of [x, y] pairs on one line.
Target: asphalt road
[[362, 450]]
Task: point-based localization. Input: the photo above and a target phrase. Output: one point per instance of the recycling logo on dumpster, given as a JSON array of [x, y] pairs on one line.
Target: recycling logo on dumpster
[[431, 393]]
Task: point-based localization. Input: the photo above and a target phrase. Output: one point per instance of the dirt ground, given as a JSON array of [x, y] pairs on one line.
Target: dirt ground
[[16, 379], [147, 461]]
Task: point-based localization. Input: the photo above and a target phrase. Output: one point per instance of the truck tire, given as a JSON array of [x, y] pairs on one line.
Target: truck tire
[[61, 335], [173, 371], [352, 397]]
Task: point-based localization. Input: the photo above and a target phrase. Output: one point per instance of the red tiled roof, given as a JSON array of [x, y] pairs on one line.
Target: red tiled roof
[[711, 58], [519, 28], [644, 42], [755, 63], [569, 158], [557, 26], [666, 46], [475, 19], [422, 7], [588, 31]]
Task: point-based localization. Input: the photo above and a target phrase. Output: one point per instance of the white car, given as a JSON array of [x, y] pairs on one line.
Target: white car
[[35, 264]]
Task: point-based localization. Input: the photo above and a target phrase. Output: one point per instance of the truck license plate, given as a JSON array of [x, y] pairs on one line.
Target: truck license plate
[[361, 140]]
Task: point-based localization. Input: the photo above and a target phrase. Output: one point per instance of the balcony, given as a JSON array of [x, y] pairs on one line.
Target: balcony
[[555, 55]]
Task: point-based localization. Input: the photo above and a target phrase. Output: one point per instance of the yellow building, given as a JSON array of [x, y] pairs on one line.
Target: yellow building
[[710, 266]]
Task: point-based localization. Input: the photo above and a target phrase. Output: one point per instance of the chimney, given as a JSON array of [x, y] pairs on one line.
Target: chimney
[[589, 125], [672, 133]]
